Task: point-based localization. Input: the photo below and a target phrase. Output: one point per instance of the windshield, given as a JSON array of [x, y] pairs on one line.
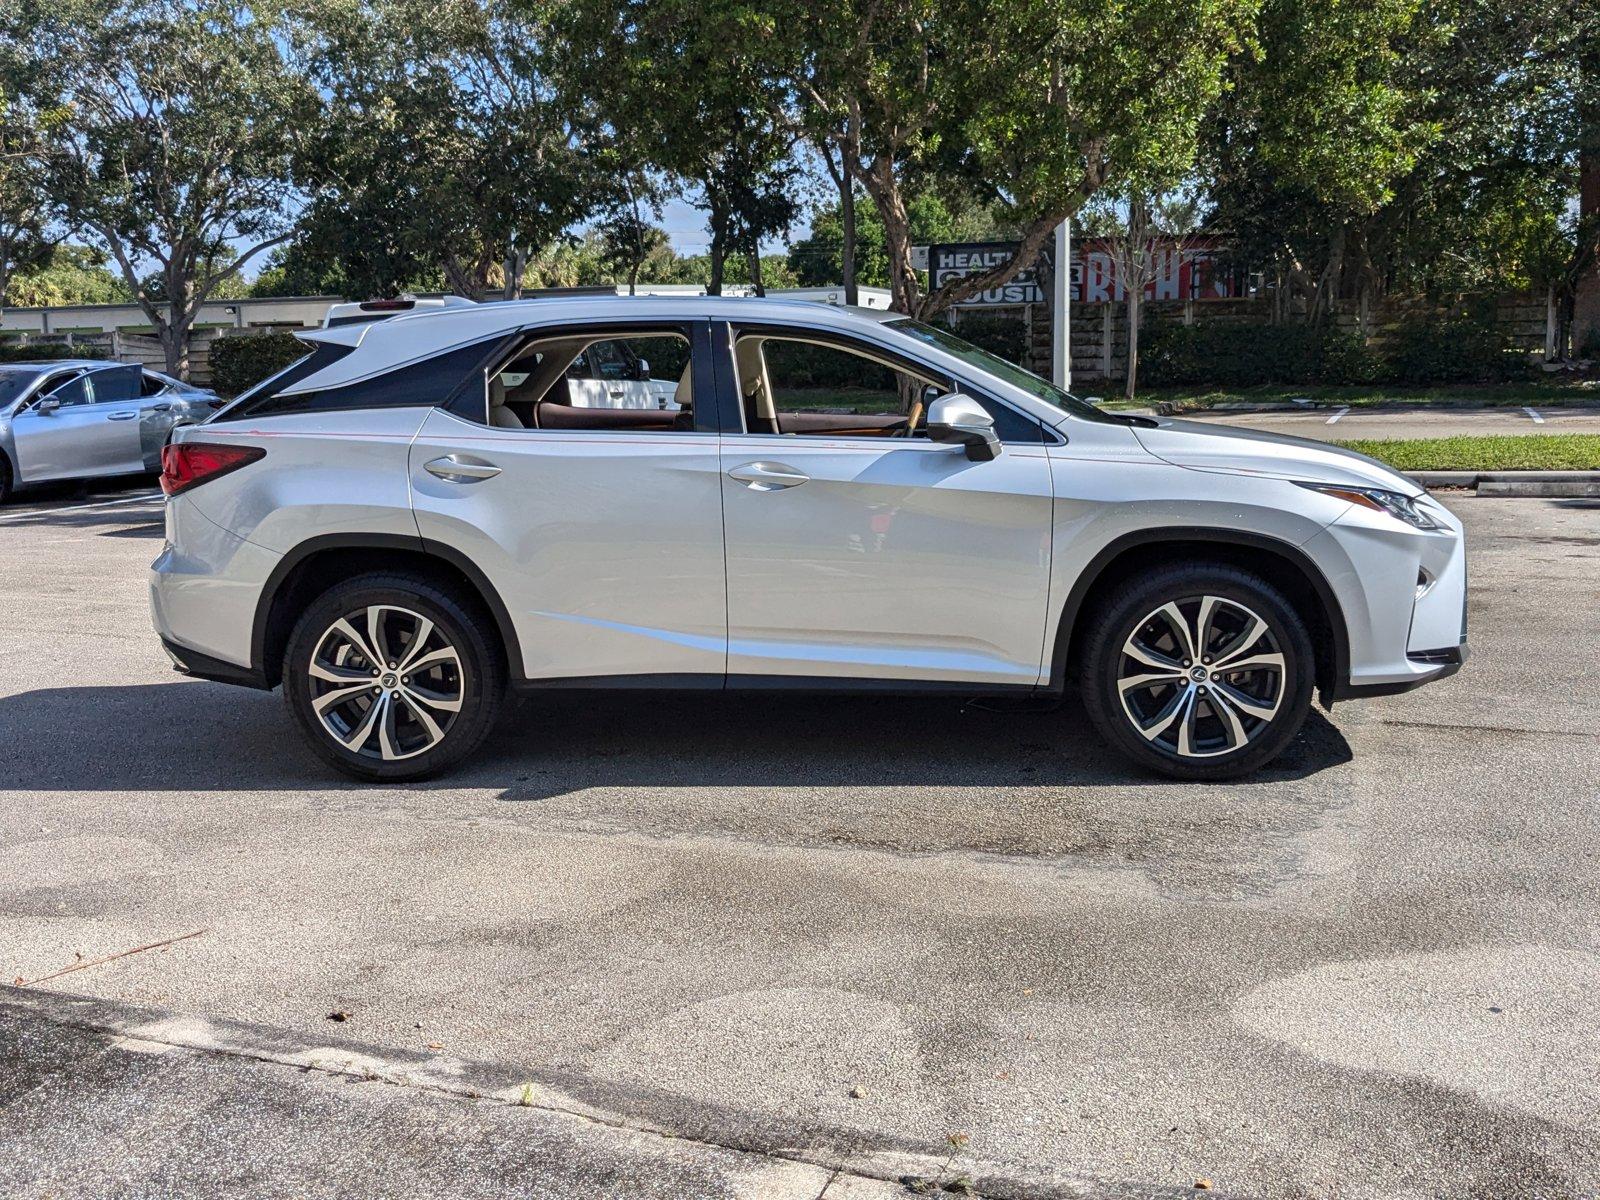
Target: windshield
[[14, 383], [993, 364]]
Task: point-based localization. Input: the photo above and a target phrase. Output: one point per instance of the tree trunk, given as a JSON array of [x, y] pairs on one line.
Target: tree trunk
[[1135, 299], [904, 285], [753, 257], [1586, 290]]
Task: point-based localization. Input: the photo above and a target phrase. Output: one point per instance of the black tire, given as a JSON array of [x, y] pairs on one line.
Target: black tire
[[476, 679], [1211, 748], [5, 478]]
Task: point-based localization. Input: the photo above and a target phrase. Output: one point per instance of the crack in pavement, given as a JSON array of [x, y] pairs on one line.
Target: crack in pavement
[[131, 1027]]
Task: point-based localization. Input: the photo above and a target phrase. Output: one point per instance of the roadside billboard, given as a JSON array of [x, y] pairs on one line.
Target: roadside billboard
[[1192, 270]]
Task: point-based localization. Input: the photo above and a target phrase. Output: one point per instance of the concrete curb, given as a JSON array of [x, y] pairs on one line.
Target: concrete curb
[[504, 1083], [1525, 484]]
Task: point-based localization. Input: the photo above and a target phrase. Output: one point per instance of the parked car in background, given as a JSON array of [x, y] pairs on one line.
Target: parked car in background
[[82, 418], [421, 513]]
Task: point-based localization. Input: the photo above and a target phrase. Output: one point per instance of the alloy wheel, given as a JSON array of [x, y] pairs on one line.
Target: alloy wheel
[[386, 683], [1201, 676]]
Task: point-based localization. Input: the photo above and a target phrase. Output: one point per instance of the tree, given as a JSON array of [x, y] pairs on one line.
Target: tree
[[686, 85], [167, 142], [444, 147], [628, 242], [1426, 148], [25, 239], [69, 274], [817, 259], [1138, 228], [1067, 96]]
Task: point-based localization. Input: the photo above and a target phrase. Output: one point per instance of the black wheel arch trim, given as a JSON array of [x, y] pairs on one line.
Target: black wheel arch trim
[[379, 541], [1090, 576]]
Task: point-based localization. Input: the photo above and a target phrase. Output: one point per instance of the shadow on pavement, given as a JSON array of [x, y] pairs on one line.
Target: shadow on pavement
[[193, 736]]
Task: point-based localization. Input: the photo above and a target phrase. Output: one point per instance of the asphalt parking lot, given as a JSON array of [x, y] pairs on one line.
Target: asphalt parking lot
[[837, 930]]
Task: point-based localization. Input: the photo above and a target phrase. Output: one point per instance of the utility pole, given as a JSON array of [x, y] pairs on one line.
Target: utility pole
[[1061, 310]]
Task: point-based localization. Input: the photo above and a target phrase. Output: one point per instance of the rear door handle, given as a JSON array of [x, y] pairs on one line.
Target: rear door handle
[[768, 476], [121, 416], [161, 408], [460, 468]]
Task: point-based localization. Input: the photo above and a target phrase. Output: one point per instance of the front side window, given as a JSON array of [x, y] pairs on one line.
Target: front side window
[[796, 386], [633, 382], [1027, 381], [72, 392]]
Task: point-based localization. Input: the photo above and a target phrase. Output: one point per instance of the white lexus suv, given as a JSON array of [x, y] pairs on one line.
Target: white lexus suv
[[425, 511]]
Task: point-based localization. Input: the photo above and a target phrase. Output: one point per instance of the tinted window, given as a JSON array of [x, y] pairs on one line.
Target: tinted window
[[424, 384], [116, 384], [13, 384], [322, 355], [76, 391]]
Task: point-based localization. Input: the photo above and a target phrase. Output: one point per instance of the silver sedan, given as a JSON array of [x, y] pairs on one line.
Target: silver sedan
[[82, 418]]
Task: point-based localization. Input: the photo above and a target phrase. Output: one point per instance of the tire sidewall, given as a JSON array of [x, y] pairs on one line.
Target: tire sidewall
[[1116, 622], [480, 695]]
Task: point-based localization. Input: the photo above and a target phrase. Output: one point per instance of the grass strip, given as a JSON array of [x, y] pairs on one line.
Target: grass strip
[[1521, 452]]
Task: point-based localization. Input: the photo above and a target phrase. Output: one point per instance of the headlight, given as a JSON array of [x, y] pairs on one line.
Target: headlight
[[1396, 504]]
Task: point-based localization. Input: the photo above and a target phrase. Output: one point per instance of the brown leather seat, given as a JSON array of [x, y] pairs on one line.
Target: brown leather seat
[[551, 415]]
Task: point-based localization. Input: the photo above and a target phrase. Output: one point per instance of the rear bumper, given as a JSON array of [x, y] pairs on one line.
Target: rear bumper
[[202, 666], [204, 589]]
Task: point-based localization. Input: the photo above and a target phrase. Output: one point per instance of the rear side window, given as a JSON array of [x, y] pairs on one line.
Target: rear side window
[[422, 384]]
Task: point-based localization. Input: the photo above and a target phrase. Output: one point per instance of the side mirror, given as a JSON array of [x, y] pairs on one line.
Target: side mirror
[[46, 407], [641, 370], [1095, 400], [961, 419]]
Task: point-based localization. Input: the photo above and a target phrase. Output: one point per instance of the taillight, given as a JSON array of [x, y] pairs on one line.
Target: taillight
[[189, 464]]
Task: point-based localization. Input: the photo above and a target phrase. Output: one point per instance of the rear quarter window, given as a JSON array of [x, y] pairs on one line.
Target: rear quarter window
[[433, 381]]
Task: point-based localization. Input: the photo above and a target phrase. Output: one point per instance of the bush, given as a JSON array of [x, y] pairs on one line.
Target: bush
[[14, 351], [1457, 350], [240, 361]]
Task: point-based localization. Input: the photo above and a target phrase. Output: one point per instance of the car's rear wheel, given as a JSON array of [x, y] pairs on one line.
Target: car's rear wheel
[[392, 677], [5, 479], [1199, 671]]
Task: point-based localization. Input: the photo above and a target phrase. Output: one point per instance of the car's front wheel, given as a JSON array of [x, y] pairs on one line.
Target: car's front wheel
[[392, 677], [1199, 671]]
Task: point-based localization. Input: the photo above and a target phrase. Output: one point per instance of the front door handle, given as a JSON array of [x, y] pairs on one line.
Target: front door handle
[[460, 468], [121, 416], [768, 476]]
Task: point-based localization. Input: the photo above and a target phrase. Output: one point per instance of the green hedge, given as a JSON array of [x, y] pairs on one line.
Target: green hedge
[[1242, 355], [241, 361], [1456, 350], [13, 351]]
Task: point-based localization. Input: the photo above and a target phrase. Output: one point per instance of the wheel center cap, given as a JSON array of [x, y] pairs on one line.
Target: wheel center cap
[[1199, 674], [388, 681]]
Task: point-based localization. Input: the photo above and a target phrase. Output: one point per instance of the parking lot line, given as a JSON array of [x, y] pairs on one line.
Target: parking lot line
[[1537, 419], [1334, 420], [16, 518]]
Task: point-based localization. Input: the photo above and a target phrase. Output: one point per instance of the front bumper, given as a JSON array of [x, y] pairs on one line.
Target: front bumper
[[1432, 666], [1402, 593]]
